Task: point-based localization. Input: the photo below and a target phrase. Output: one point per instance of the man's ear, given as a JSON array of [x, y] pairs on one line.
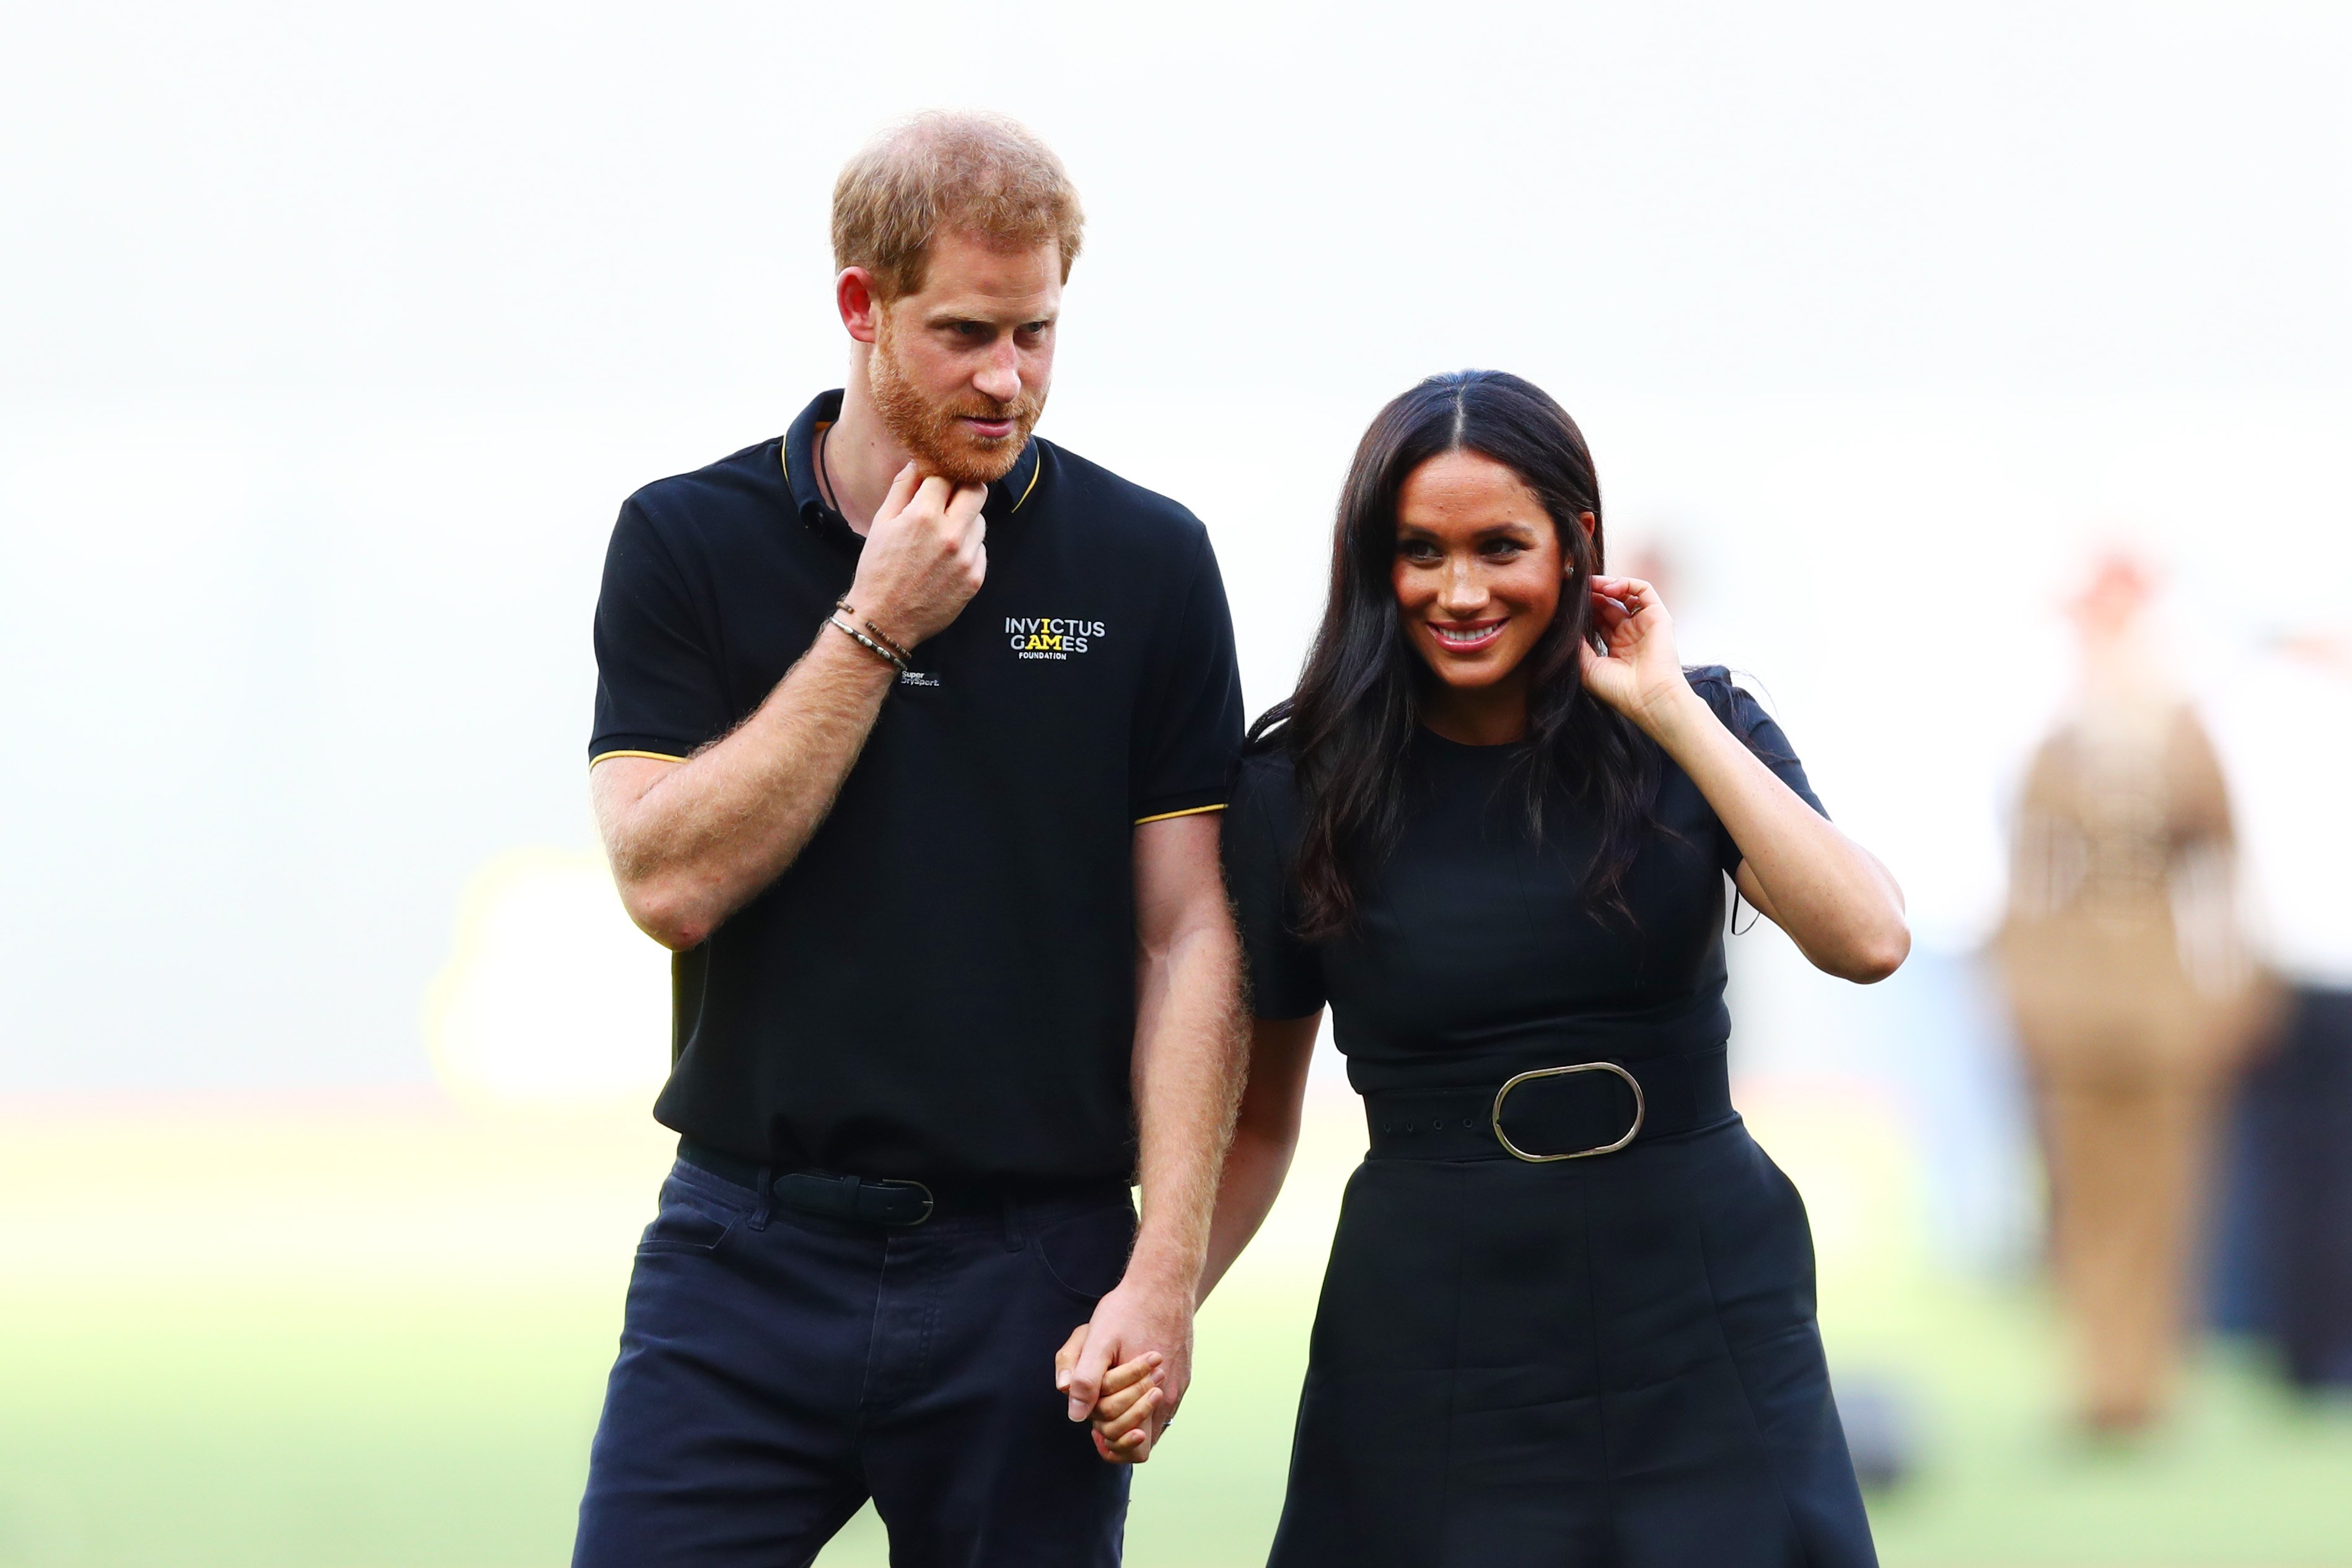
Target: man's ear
[[860, 303]]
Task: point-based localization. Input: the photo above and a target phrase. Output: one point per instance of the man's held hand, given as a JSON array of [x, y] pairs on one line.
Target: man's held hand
[[1127, 1370]]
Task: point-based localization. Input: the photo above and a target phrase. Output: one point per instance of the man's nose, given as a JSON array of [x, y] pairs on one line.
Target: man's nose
[[999, 375]]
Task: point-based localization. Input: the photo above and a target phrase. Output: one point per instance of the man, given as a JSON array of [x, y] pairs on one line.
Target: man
[[2131, 995], [912, 732]]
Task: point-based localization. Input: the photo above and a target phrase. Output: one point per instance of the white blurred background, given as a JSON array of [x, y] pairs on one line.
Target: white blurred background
[[332, 336]]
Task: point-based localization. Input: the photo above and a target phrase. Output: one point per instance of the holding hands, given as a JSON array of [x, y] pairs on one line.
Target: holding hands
[[925, 556], [1133, 1393], [1127, 1404]]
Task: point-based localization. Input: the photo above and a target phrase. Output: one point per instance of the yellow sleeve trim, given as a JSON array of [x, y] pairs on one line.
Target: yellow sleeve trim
[[649, 756], [1188, 811]]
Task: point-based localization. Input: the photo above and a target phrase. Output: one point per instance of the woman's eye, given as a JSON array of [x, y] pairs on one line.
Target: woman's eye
[[1503, 549], [1419, 551]]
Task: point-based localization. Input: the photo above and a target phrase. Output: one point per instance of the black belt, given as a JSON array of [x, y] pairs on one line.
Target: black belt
[[1564, 1112], [868, 1200]]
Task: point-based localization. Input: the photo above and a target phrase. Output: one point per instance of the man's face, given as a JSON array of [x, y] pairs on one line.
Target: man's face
[[961, 367]]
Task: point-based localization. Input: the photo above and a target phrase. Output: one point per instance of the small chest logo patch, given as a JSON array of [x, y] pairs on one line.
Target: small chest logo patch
[[1050, 637]]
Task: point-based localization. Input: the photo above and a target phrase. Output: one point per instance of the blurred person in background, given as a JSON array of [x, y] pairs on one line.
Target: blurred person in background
[[2286, 1246], [2132, 992], [911, 733], [1569, 1315]]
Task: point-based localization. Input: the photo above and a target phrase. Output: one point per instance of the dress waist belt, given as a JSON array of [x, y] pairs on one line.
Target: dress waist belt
[[1563, 1112]]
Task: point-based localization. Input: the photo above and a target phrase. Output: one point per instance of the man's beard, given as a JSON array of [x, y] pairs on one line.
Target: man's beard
[[935, 435]]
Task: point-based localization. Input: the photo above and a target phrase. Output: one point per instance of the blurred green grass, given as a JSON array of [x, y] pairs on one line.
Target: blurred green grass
[[373, 1335], [423, 1426]]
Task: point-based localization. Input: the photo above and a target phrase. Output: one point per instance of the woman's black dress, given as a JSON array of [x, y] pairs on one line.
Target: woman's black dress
[[1610, 1360]]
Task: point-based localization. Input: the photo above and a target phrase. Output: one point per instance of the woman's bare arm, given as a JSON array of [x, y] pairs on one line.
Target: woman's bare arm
[[1265, 1137], [1832, 897]]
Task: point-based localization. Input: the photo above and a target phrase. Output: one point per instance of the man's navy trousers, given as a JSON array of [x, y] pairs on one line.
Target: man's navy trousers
[[777, 1369]]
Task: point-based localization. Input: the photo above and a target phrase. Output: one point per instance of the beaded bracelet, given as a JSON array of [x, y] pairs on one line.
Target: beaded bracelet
[[880, 635], [869, 644]]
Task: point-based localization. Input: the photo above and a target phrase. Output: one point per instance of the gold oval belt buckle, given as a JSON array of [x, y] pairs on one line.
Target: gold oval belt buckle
[[1518, 1153]]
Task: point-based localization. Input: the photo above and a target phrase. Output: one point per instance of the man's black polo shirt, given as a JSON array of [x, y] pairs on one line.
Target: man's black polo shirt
[[944, 983]]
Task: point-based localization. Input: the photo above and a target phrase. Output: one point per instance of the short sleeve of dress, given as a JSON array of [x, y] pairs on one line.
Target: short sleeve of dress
[[1745, 717], [1260, 843], [658, 689]]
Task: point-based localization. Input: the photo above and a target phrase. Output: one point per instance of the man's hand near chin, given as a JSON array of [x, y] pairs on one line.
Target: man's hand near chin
[[1125, 1371]]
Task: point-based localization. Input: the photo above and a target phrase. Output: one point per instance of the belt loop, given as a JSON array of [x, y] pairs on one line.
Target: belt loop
[[761, 1216], [1013, 1241]]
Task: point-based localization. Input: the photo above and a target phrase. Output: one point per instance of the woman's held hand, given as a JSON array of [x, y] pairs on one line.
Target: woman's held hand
[[1129, 1396]]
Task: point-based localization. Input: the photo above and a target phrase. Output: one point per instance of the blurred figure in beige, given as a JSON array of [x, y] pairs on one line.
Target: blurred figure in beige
[[2133, 996]]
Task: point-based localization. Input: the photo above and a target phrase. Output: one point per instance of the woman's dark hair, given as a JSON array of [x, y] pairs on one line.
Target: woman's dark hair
[[1347, 725]]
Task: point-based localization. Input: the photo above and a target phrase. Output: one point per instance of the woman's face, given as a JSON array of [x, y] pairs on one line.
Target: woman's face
[[1478, 568]]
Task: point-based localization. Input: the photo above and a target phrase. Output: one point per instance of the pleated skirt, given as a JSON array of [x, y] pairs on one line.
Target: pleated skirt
[[1601, 1362]]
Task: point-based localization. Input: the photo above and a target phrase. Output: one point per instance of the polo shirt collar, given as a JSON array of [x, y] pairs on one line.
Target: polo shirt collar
[[1004, 498]]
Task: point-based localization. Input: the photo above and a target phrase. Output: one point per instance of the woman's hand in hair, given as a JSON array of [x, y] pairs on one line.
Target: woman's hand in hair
[[1830, 895], [1641, 675]]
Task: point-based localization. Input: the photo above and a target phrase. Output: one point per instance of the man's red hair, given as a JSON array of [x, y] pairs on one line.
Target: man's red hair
[[940, 172]]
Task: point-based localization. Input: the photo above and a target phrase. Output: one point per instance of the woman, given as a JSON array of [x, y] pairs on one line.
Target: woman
[[1490, 831]]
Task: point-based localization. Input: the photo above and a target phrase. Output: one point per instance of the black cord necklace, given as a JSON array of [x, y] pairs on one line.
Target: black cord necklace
[[824, 477]]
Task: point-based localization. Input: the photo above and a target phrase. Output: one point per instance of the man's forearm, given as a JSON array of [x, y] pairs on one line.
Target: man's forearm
[[709, 834], [1187, 1072], [1188, 1058]]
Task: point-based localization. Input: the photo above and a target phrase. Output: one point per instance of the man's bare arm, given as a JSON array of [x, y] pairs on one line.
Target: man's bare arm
[[1188, 1069], [1189, 1048], [693, 841], [1266, 1135]]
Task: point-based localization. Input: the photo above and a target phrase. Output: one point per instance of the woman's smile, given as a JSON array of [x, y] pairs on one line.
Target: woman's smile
[[1469, 636]]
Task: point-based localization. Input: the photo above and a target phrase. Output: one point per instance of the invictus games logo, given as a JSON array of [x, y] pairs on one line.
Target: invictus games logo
[[1049, 638]]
